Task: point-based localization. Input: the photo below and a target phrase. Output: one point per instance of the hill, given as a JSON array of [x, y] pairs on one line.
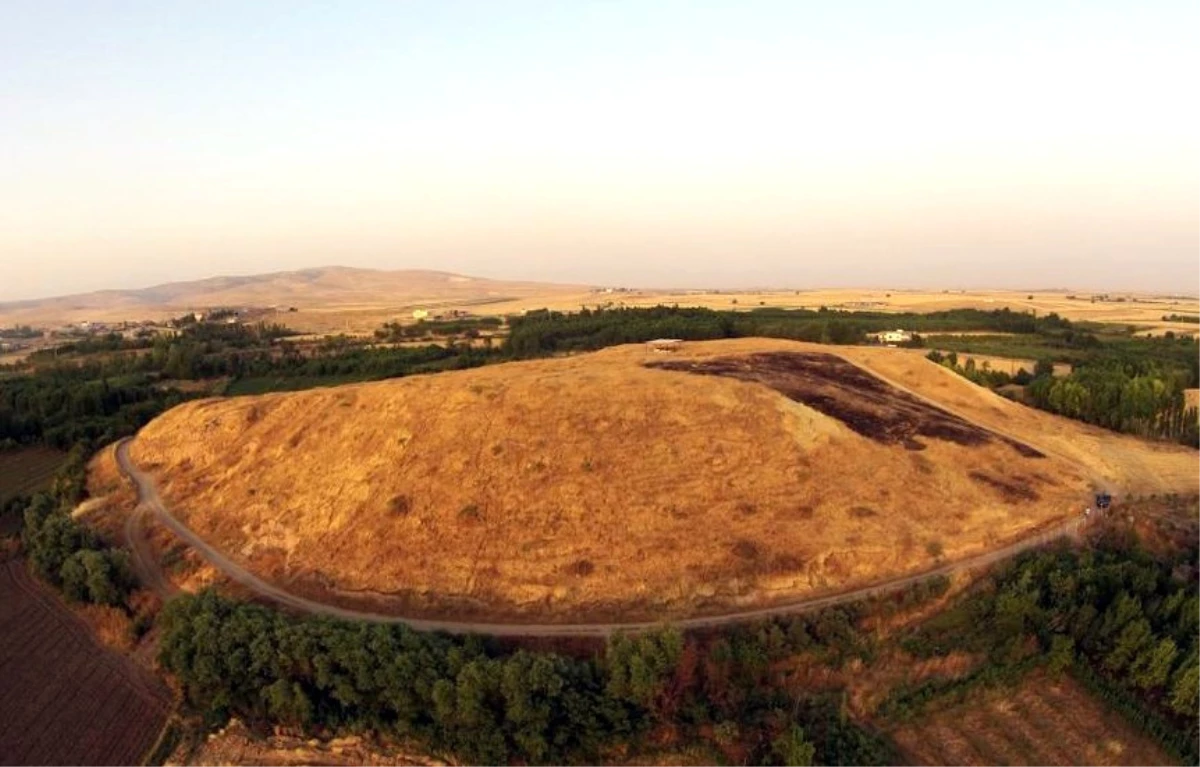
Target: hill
[[307, 289], [611, 484]]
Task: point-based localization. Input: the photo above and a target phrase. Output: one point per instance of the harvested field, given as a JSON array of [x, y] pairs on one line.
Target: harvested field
[[67, 700], [592, 487], [27, 470], [1044, 721]]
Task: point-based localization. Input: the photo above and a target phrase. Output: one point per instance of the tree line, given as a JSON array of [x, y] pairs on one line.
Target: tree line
[[1141, 399], [480, 702], [467, 327], [69, 405], [546, 332]]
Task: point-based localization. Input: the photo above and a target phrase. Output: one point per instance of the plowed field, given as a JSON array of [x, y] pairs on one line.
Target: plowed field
[[27, 470], [67, 700]]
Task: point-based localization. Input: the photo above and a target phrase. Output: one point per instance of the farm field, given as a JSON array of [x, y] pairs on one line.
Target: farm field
[[67, 700], [1044, 721], [27, 470], [357, 301]]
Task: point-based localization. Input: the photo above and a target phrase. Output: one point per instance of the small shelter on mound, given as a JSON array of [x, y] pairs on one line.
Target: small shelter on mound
[[665, 344]]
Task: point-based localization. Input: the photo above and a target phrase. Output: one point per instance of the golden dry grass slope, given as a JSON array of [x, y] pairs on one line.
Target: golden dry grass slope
[[592, 486]]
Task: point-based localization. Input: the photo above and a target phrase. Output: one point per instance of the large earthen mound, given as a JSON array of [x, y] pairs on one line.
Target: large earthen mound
[[623, 484]]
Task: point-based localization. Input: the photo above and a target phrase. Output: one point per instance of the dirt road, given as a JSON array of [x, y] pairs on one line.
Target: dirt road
[[149, 500]]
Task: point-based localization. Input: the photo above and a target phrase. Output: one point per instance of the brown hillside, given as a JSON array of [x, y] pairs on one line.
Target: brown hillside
[[596, 485], [339, 291]]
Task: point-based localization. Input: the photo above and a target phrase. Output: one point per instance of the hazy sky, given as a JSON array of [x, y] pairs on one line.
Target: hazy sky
[[807, 144]]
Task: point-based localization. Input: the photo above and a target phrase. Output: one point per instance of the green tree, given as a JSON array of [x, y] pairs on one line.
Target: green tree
[[1132, 639], [791, 748], [639, 667], [1185, 689], [1153, 665], [1062, 654]]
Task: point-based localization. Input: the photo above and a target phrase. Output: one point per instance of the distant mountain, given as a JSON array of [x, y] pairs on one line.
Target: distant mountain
[[333, 286]]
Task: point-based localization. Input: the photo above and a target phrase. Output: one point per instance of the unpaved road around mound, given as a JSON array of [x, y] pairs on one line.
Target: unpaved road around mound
[[149, 500]]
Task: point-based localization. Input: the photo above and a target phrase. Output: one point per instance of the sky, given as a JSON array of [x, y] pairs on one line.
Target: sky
[[661, 144]]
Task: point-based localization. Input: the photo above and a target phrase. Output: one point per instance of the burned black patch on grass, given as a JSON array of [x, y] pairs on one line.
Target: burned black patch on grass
[[1009, 490], [839, 389]]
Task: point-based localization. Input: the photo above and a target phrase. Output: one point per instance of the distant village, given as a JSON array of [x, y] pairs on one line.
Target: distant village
[[24, 337]]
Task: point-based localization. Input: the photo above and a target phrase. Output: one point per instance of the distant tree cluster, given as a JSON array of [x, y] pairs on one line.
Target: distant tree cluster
[[466, 327], [80, 404], [1137, 399], [20, 331], [546, 332]]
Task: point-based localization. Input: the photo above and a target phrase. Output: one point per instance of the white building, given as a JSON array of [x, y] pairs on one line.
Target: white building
[[894, 336]]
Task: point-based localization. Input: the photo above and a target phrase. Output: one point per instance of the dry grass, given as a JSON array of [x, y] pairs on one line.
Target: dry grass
[[1126, 465], [592, 486], [1045, 721], [236, 744]]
